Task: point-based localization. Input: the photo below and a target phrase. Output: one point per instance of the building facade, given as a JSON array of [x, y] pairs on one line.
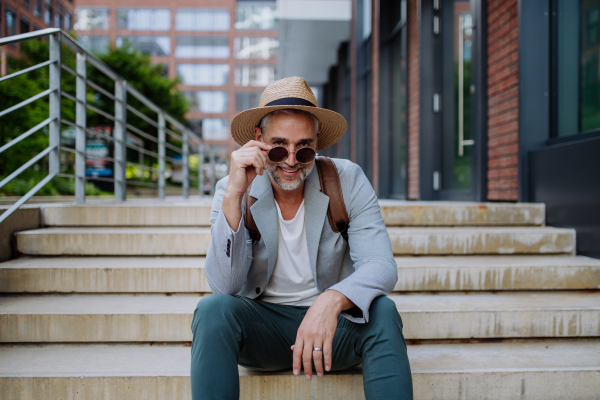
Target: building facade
[[223, 51], [476, 100], [22, 16]]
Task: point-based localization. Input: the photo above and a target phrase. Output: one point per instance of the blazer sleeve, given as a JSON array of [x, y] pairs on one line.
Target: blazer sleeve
[[230, 253], [375, 271]]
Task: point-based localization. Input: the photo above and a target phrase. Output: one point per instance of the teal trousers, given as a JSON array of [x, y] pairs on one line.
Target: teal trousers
[[232, 330]]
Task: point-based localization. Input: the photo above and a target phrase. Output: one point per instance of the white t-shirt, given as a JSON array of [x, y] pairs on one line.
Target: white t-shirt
[[292, 282]]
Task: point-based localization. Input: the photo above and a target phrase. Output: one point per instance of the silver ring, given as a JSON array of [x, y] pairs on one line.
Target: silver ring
[[317, 349]]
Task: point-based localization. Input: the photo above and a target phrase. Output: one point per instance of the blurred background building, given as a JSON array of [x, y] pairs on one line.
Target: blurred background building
[[224, 52], [22, 16]]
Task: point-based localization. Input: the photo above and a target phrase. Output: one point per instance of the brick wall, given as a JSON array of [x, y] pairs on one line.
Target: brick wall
[[414, 19], [503, 100]]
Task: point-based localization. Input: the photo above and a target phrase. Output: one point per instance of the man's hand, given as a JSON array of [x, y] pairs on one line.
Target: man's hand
[[317, 330], [246, 162]]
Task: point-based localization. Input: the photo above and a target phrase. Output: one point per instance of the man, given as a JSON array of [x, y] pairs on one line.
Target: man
[[301, 294]]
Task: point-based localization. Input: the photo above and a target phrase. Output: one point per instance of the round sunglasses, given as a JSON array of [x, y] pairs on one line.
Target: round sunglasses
[[303, 156]]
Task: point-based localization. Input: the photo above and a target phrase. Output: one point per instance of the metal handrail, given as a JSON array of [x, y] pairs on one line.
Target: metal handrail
[[166, 125]]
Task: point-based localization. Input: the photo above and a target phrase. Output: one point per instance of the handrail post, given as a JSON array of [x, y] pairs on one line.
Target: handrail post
[[185, 164], [120, 140], [201, 169], [54, 104], [161, 155], [213, 170], [81, 124]]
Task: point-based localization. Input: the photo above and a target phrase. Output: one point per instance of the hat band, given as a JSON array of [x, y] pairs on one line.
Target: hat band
[[290, 101]]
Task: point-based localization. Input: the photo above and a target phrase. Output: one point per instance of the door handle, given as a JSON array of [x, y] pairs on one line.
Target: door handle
[[463, 24]]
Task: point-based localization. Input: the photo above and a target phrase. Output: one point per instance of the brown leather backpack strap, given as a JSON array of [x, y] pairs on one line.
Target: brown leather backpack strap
[[248, 218], [331, 186]]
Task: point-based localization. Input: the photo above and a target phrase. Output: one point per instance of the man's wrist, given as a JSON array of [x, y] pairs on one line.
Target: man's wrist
[[233, 196], [339, 301]]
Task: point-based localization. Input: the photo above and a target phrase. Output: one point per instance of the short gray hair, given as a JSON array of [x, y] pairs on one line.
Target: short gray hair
[[266, 120]]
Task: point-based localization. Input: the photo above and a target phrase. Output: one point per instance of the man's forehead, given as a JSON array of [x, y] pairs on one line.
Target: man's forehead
[[297, 138], [293, 128]]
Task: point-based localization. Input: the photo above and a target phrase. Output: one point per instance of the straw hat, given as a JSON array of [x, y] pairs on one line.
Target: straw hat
[[288, 93]]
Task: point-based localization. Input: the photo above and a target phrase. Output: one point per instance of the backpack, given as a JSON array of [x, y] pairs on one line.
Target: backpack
[[330, 186]]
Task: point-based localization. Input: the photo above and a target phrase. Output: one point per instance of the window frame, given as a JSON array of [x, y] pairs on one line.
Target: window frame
[[553, 115]]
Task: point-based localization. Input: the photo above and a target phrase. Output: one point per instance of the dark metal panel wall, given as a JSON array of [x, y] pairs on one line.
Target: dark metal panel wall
[[534, 84], [566, 177]]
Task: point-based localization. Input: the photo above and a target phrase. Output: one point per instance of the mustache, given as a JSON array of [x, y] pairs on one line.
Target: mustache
[[283, 164]]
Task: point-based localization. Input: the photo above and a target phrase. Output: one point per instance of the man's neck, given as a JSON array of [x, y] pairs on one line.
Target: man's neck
[[288, 200]]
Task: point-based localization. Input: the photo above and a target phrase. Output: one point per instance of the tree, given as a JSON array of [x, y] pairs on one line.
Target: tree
[[126, 61]]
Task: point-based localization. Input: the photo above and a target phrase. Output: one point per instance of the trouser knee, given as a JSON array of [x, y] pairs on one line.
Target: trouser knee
[[383, 309], [215, 313], [384, 317]]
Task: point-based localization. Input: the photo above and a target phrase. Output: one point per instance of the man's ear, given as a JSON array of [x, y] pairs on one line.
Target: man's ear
[[258, 134]]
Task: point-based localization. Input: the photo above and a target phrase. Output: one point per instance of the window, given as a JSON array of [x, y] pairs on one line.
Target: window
[[68, 21], [58, 22], [26, 3], [254, 75], [207, 102], [144, 19], [23, 25], [37, 8], [203, 74], [202, 19], [48, 12], [257, 48], [576, 56], [96, 44], [91, 18], [255, 16], [10, 22], [202, 47], [151, 45], [246, 100], [215, 129]]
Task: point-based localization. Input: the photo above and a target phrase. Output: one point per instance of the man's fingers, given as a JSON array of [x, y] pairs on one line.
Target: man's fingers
[[297, 360], [327, 354], [307, 360], [255, 143], [318, 360], [252, 160]]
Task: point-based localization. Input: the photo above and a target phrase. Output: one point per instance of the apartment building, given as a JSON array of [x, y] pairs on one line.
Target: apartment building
[[223, 51], [22, 16]]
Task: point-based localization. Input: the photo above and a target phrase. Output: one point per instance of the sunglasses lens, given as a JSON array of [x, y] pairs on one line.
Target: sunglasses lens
[[278, 154], [305, 155]]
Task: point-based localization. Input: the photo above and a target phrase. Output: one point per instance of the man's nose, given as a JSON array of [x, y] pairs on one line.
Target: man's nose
[[291, 159]]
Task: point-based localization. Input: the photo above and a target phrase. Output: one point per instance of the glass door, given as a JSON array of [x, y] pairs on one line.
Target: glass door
[[458, 133]]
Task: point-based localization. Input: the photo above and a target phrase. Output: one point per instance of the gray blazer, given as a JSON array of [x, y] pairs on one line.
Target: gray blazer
[[361, 269]]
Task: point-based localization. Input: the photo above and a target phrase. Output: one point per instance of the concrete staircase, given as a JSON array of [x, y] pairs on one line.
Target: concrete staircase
[[495, 305]]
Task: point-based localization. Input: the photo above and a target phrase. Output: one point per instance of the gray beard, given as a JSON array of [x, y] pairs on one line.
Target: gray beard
[[289, 184]]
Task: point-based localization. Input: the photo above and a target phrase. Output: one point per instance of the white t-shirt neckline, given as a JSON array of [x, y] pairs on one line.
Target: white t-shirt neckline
[[292, 282]]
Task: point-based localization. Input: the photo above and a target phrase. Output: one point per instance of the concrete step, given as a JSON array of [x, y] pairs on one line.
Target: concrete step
[[197, 213], [481, 240], [454, 213], [186, 274], [533, 369], [187, 241], [160, 318]]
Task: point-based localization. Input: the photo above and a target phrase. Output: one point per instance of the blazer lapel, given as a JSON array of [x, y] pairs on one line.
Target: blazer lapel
[[265, 216], [315, 204]]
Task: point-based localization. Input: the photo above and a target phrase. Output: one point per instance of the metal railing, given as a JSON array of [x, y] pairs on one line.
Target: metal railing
[[164, 124]]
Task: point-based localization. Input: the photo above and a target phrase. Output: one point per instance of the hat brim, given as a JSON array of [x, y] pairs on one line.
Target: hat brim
[[331, 124]]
